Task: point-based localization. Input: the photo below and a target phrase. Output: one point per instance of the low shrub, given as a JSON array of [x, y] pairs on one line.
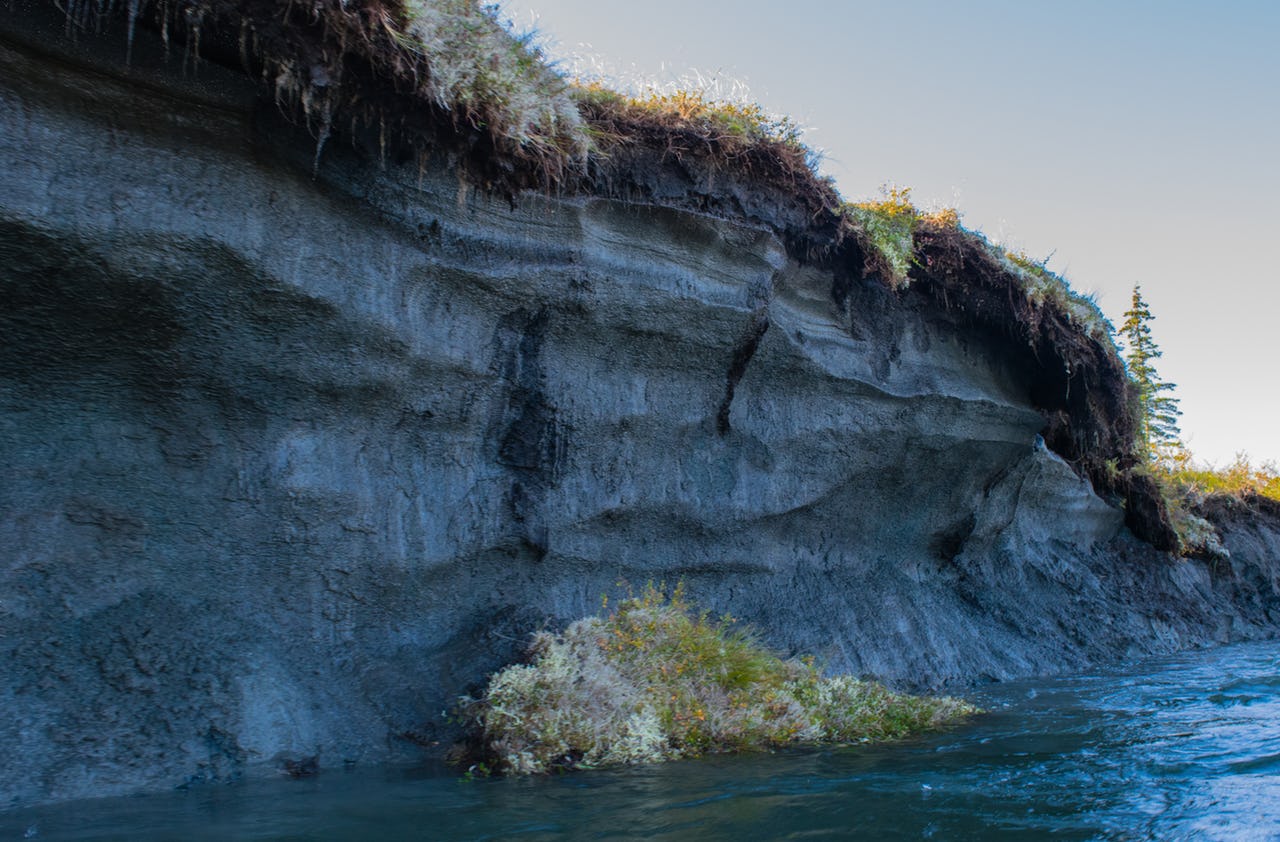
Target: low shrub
[[655, 680], [1188, 486], [1239, 479]]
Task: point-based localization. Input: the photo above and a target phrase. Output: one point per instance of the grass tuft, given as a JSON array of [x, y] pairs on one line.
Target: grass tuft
[[693, 110], [888, 227], [656, 680], [706, 135], [489, 77]]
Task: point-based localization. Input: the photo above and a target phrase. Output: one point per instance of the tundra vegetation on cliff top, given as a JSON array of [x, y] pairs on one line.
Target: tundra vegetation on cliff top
[[655, 680]]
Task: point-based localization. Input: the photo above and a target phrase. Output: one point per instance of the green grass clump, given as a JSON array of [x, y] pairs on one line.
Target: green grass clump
[[888, 226], [655, 680], [1043, 288]]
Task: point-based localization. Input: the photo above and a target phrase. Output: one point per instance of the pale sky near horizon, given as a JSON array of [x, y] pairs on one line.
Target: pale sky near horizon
[[1132, 140]]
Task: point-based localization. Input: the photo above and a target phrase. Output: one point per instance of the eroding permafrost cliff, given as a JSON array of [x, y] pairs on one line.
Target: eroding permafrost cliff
[[292, 462]]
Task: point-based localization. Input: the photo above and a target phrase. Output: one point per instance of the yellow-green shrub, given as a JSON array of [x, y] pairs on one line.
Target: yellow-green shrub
[[655, 680], [1240, 478]]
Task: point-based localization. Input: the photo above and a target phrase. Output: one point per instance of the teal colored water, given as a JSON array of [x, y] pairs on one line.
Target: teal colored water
[[1186, 747]]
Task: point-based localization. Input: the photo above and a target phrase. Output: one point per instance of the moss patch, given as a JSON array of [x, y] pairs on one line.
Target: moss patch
[[655, 680]]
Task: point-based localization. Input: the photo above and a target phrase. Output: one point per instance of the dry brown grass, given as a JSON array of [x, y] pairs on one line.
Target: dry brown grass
[[691, 137]]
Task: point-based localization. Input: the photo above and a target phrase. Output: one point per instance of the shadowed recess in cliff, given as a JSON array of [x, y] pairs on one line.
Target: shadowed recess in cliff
[[531, 443], [64, 309], [1077, 379]]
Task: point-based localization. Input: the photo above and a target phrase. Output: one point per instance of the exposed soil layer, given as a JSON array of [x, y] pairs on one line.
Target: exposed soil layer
[[344, 74]]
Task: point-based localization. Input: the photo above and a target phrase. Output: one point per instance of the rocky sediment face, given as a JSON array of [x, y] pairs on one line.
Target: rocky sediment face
[[292, 461]]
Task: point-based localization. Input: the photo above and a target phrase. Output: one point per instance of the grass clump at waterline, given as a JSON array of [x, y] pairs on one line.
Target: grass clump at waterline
[[656, 680]]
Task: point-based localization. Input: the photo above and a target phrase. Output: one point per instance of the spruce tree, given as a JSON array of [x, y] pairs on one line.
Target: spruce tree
[[1157, 409]]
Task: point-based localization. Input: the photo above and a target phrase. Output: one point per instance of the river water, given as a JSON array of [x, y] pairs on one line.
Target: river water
[[1185, 747]]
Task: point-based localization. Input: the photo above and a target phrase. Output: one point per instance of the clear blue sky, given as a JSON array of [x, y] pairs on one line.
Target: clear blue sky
[[1135, 141]]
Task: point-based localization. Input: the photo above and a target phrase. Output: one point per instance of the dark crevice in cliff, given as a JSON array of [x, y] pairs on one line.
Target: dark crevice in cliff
[[66, 314], [530, 441], [742, 354], [950, 542]]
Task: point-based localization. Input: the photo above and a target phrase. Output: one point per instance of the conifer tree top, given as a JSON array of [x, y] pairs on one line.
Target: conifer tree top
[[1157, 409]]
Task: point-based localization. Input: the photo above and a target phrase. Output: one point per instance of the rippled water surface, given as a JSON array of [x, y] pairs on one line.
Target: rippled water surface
[[1181, 748]]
